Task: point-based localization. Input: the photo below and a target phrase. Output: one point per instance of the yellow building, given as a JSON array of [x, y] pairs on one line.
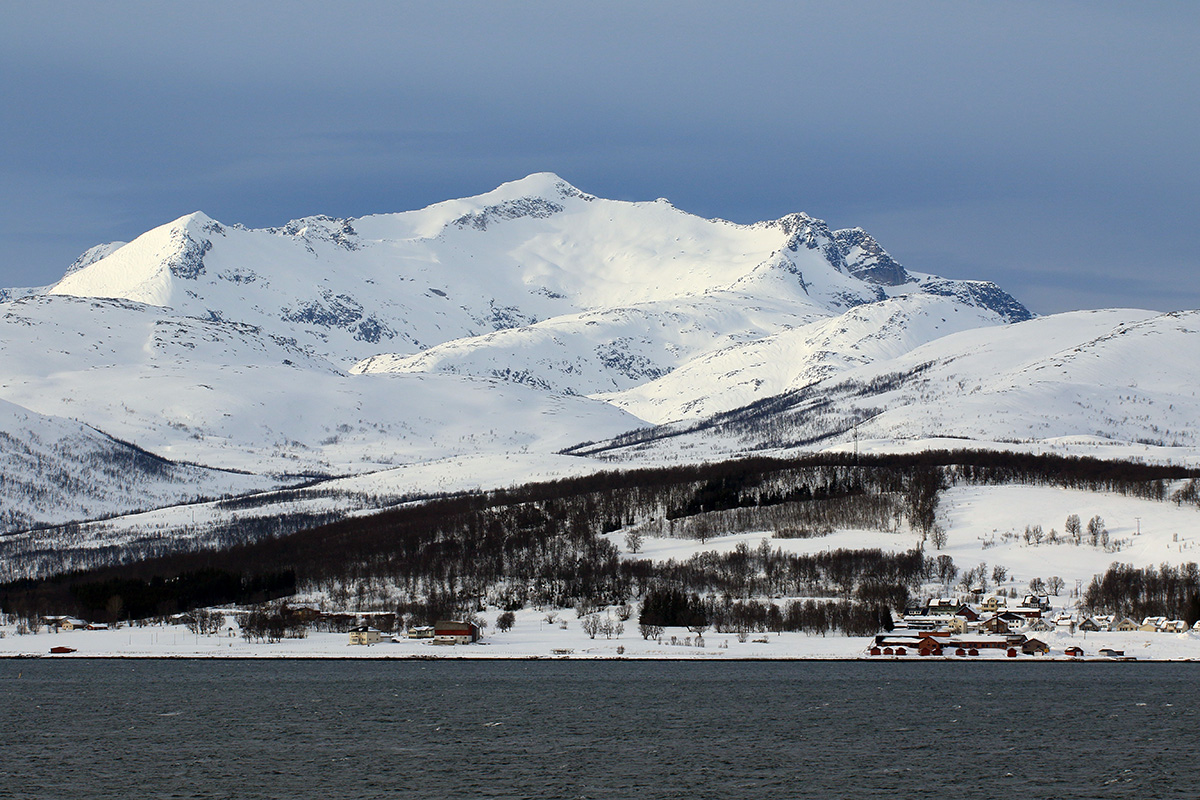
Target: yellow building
[[365, 635]]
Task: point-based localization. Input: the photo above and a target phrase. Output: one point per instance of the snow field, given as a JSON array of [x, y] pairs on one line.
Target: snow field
[[975, 516]]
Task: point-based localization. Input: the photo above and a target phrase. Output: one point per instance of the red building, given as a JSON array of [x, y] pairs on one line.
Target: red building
[[447, 631]]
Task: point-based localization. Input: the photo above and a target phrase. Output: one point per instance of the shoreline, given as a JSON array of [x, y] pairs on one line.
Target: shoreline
[[656, 658]]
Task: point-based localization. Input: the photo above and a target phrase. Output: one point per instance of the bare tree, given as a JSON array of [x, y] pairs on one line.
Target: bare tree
[[938, 535], [1073, 528], [946, 570], [114, 607], [633, 542], [650, 631]]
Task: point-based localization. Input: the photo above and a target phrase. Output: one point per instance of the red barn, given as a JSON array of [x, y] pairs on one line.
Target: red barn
[[447, 631]]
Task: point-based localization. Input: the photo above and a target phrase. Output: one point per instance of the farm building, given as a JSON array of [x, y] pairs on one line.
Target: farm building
[[455, 632]]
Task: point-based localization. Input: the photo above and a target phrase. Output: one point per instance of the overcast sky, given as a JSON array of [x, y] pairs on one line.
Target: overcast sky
[[1050, 147]]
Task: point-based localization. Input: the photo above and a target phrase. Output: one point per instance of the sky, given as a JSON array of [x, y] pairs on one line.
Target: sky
[[1050, 147]]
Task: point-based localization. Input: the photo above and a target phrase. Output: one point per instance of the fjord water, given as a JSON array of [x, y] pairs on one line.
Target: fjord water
[[433, 729]]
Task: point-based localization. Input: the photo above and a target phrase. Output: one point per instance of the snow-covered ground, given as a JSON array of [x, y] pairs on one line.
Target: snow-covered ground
[[978, 517], [533, 637], [1072, 382]]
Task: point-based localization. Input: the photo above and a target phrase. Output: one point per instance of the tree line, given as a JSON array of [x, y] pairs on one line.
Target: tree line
[[1128, 591]]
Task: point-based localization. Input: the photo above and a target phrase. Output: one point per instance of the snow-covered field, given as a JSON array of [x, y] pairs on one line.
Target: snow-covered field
[[977, 520], [533, 637]]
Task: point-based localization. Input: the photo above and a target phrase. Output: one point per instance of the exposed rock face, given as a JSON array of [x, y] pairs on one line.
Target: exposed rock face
[[866, 260]]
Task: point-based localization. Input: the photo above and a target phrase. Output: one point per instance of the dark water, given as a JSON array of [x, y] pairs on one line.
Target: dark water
[[246, 729]]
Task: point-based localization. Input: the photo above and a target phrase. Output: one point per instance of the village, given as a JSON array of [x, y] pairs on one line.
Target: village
[[953, 627]]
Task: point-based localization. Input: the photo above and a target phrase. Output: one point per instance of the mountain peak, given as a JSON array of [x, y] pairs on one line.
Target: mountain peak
[[546, 185]]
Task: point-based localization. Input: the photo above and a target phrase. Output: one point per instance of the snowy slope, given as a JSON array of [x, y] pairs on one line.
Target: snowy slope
[[606, 350], [742, 373], [229, 395], [1118, 376], [54, 470]]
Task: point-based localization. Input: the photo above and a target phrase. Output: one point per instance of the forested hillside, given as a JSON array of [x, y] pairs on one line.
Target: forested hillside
[[545, 545]]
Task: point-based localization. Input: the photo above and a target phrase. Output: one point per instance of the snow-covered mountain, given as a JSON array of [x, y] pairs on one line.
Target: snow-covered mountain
[[535, 250], [1086, 379], [524, 320]]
